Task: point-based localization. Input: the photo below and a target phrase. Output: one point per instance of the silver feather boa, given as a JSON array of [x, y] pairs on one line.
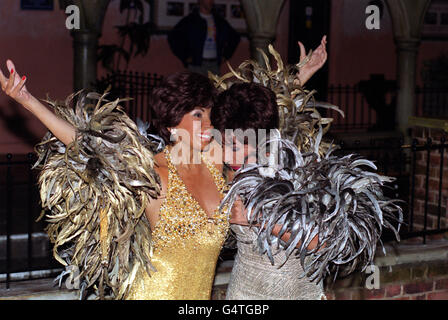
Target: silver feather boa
[[331, 198]]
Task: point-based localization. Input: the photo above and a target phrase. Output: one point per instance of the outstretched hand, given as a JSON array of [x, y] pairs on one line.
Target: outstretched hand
[[14, 86], [316, 61], [238, 214]]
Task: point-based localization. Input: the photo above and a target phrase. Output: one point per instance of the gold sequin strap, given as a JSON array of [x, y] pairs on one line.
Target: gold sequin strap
[[171, 167], [217, 176]]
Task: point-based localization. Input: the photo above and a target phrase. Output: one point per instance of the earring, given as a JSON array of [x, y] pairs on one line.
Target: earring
[[173, 134]]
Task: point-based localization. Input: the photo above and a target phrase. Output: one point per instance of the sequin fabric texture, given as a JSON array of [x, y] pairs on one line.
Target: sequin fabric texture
[[186, 244], [255, 278]]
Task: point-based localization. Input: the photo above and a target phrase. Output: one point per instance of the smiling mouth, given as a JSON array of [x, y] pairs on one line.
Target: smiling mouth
[[205, 137]]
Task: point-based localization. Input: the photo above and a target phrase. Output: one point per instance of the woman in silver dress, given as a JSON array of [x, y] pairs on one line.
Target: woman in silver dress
[[308, 213], [252, 106]]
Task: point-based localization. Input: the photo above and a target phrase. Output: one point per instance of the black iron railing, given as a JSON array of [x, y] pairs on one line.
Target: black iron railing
[[431, 102], [358, 115], [430, 150], [400, 161], [361, 114], [24, 248]]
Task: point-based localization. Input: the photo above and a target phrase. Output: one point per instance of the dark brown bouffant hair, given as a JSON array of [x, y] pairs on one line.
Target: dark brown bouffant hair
[[246, 106], [177, 95]]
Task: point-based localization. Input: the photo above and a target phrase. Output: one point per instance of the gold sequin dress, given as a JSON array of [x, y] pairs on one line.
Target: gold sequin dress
[[186, 245]]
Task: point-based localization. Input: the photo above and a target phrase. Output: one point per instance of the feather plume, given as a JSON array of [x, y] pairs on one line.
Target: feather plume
[[96, 190], [298, 110], [332, 198]]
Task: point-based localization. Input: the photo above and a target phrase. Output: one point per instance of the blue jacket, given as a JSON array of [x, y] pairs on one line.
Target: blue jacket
[[188, 37]]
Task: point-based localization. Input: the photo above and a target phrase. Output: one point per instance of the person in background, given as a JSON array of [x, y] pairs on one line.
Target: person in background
[[203, 39]]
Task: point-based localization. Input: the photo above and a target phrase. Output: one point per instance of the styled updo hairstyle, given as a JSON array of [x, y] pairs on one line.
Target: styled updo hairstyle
[[246, 106], [177, 95]]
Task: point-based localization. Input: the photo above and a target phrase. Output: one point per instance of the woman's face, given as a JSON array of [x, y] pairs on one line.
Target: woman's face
[[195, 128], [236, 152]]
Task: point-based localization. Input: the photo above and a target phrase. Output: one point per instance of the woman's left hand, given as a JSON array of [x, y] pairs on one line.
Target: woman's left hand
[[317, 60], [238, 214]]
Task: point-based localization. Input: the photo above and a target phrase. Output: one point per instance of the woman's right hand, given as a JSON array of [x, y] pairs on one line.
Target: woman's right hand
[[14, 86]]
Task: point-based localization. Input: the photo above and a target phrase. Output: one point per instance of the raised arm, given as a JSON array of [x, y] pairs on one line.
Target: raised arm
[[316, 61], [14, 86]]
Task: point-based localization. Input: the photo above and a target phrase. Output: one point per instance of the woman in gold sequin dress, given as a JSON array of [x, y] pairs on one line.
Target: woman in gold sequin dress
[[181, 232], [187, 230]]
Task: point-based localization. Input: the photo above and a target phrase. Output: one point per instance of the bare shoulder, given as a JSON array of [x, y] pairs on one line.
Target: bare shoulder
[[161, 165], [160, 160]]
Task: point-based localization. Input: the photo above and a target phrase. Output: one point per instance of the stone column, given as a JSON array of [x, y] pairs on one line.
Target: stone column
[[407, 19], [261, 18], [85, 40], [407, 51]]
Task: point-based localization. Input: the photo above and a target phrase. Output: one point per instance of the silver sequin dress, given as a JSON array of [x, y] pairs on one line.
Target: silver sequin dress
[[255, 278]]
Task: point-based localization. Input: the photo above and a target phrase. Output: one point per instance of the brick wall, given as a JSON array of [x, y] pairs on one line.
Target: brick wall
[[422, 134], [406, 272], [415, 281]]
